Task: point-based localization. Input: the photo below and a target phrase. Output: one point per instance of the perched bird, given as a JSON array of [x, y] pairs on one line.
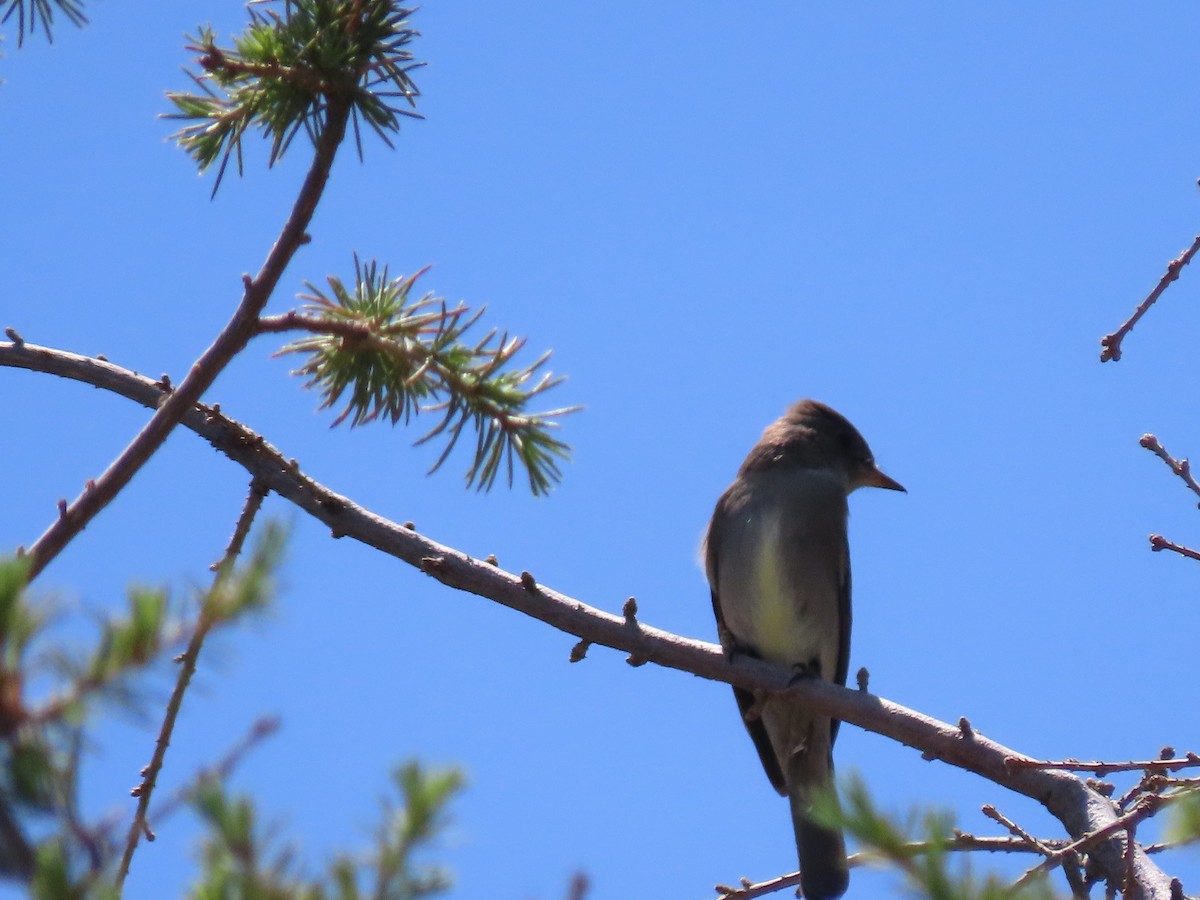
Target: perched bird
[[778, 563]]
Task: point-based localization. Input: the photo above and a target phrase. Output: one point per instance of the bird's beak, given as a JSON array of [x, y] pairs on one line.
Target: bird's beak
[[875, 478]]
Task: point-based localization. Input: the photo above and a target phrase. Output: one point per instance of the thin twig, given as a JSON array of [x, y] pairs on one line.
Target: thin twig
[[187, 660], [1158, 542], [262, 729], [1017, 831], [961, 842], [232, 339], [1080, 808], [1110, 344], [1103, 768], [1130, 834], [1143, 809], [1180, 467]]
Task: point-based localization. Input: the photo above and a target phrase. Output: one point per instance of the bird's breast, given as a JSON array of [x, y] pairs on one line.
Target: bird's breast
[[782, 575]]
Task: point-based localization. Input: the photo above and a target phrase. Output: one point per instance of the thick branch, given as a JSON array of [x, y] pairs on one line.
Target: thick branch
[[1081, 810], [236, 334]]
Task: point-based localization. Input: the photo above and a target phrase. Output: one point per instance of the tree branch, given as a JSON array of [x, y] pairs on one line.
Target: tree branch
[[1086, 815], [210, 616], [1110, 344], [235, 335]]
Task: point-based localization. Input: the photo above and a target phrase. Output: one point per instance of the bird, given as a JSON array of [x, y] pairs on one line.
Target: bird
[[777, 559]]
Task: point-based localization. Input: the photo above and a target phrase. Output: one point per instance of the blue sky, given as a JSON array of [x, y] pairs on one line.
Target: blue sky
[[925, 215]]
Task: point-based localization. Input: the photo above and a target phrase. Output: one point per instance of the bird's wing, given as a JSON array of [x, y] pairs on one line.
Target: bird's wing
[[744, 698]]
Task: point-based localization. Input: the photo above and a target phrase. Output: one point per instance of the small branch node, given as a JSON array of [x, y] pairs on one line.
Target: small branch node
[[433, 565], [491, 560], [964, 729], [1103, 788], [629, 610], [62, 508], [579, 651], [528, 581], [637, 659], [332, 505], [863, 679], [14, 337]]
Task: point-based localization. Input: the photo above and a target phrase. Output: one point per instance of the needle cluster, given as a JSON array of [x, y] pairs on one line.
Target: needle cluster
[[385, 354], [288, 67]]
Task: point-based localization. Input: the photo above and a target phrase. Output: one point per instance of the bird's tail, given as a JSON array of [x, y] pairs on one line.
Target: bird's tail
[[824, 874]]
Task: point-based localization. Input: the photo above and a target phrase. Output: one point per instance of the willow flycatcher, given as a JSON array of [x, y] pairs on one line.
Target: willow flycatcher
[[778, 563]]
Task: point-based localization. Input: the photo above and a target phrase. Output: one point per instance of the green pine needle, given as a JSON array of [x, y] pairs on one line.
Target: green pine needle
[[32, 13], [282, 72], [386, 355]]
